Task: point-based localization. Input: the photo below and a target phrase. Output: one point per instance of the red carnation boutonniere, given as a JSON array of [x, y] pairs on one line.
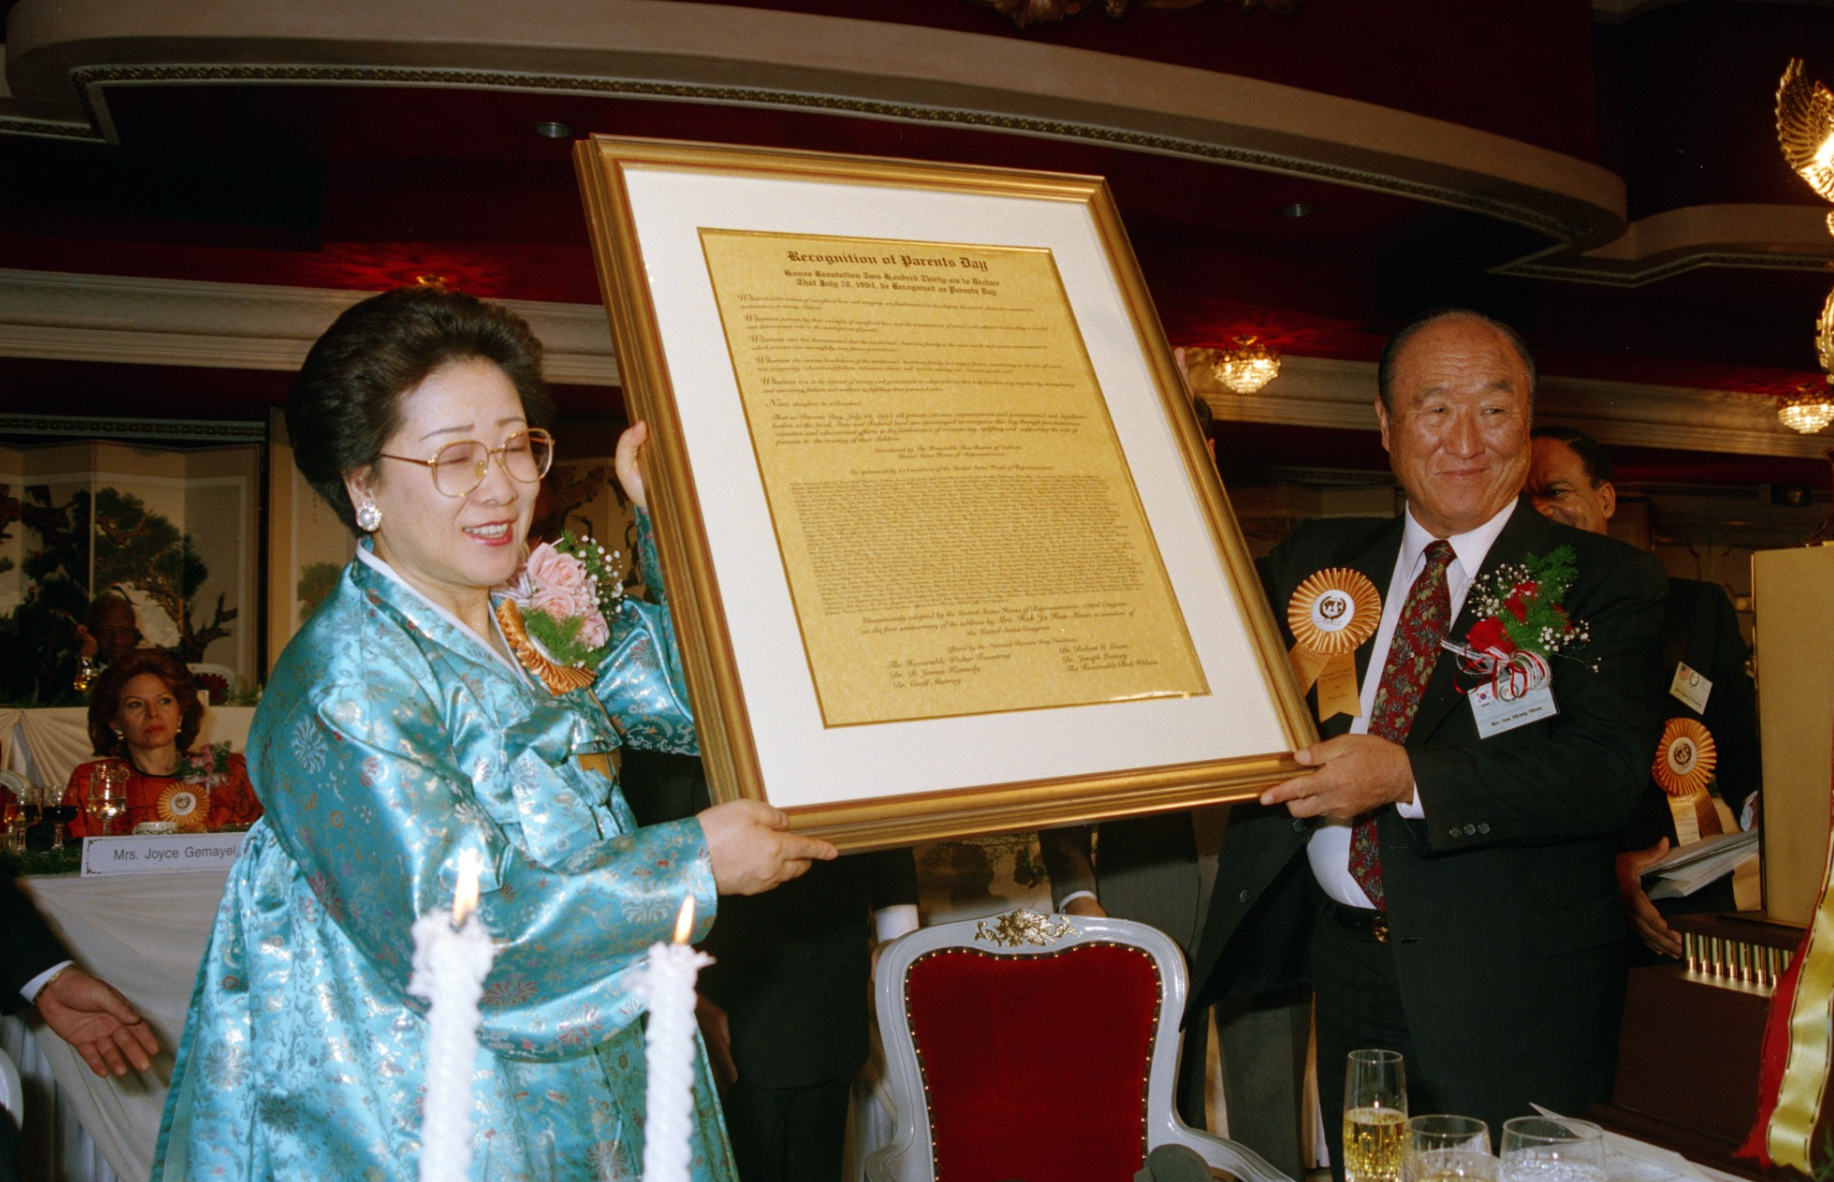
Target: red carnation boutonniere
[[1522, 624]]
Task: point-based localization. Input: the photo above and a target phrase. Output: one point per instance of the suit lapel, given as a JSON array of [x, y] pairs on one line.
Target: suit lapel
[[1525, 532]]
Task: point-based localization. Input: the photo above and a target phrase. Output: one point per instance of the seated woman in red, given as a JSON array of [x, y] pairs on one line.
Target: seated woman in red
[[144, 710]]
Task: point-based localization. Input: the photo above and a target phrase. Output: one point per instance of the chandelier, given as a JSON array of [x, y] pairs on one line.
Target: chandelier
[[1247, 365], [1809, 409]]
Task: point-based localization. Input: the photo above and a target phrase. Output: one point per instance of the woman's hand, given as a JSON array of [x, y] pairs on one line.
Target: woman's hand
[[629, 463], [751, 847]]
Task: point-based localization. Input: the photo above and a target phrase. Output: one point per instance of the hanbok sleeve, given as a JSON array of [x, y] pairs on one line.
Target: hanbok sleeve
[[374, 786], [640, 680]]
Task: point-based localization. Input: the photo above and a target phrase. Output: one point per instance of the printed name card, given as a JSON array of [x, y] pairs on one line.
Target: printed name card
[[154, 853]]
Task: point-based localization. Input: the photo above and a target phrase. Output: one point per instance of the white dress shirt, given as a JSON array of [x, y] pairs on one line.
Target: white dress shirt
[[1328, 850]]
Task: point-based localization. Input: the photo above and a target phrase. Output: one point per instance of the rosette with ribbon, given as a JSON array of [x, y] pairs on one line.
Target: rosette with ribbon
[[557, 677], [1684, 762], [185, 805], [1332, 614]]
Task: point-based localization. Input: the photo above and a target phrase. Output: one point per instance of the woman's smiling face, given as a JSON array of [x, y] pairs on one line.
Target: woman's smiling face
[[451, 549]]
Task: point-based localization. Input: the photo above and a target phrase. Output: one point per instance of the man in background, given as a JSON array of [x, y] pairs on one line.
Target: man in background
[[1570, 480]]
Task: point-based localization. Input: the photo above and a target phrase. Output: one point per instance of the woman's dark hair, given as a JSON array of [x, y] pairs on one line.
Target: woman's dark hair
[[105, 698], [346, 401]]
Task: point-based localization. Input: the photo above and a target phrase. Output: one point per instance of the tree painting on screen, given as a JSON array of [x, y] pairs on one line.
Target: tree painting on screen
[[137, 548]]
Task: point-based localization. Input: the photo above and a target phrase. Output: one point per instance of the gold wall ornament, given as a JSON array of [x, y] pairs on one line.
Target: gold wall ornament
[[1805, 128], [1022, 927]]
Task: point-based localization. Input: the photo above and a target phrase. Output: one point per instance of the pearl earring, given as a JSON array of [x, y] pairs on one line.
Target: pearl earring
[[369, 517]]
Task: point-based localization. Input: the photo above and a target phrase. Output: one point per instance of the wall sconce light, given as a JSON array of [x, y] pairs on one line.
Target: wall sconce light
[[1809, 409], [1247, 365]]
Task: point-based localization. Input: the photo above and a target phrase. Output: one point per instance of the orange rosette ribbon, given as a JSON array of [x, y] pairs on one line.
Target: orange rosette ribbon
[[558, 678], [1331, 615], [185, 805], [1684, 762]]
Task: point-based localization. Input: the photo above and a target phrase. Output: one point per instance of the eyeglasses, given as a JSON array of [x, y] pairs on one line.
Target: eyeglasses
[[460, 467]]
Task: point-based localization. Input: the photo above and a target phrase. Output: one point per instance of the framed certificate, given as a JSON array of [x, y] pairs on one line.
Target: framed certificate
[[942, 542]]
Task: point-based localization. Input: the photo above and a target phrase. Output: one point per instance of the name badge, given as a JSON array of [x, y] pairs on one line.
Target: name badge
[[1690, 687], [1495, 714]]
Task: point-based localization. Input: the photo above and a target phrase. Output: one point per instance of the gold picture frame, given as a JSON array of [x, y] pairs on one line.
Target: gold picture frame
[[944, 548]]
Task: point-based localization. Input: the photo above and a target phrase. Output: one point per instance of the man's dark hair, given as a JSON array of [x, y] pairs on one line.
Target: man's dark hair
[[346, 401], [1591, 455], [1385, 369]]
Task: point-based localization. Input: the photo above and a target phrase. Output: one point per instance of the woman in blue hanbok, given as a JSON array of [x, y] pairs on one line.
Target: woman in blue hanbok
[[397, 732]]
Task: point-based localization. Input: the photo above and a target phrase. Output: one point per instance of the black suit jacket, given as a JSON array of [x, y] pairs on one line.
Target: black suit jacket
[[1502, 905], [27, 946], [791, 966], [1700, 628]]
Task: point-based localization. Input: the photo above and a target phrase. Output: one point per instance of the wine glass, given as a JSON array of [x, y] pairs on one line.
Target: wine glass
[[107, 792], [61, 812], [1448, 1149], [30, 810], [1552, 1149], [1375, 1116], [12, 822]]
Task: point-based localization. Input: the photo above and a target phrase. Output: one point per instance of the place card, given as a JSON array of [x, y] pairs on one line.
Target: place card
[[156, 853]]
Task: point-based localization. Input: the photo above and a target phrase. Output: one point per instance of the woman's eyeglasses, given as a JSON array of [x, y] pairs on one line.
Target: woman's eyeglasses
[[460, 467]]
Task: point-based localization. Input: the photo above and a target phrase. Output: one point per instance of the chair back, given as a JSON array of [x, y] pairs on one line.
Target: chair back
[[1041, 1048]]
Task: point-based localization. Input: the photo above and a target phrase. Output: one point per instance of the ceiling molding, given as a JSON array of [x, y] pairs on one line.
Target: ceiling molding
[[1769, 237], [64, 59], [1340, 395], [70, 317], [245, 326]]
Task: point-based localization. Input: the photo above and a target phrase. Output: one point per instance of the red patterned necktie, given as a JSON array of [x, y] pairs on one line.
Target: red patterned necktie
[[1412, 653]]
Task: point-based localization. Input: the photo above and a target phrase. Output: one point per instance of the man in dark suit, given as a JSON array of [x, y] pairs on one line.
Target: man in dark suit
[[1473, 924], [790, 987], [1570, 480]]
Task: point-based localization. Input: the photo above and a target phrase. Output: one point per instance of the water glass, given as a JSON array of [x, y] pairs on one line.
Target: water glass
[[108, 792], [1375, 1116], [1448, 1149], [12, 821], [1552, 1149]]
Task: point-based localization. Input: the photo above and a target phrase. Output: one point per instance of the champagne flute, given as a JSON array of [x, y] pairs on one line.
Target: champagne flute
[[1448, 1149], [1552, 1149], [107, 792], [1375, 1116]]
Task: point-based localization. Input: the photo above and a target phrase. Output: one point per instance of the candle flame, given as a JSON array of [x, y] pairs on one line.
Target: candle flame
[[684, 920], [465, 894]]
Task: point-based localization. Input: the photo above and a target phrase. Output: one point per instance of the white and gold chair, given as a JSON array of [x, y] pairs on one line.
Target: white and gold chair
[[1037, 1048]]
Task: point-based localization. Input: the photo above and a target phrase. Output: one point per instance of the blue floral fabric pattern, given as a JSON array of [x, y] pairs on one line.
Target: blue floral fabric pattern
[[389, 740]]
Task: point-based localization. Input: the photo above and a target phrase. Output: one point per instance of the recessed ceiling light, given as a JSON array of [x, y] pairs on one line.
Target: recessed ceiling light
[[1297, 209], [553, 129]]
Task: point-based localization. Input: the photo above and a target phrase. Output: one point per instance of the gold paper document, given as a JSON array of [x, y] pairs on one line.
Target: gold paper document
[[959, 528]]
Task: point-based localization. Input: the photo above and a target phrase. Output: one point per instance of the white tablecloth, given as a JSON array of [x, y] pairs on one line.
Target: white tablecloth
[[144, 934]]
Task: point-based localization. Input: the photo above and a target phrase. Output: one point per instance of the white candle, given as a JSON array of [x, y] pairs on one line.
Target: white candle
[[667, 983], [452, 955]]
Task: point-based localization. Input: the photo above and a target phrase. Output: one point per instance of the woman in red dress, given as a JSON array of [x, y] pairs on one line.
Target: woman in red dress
[[144, 710]]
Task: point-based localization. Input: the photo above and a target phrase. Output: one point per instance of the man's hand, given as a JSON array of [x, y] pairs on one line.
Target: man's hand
[[90, 1016], [716, 1032], [1356, 774], [1651, 928], [752, 849], [1085, 905]]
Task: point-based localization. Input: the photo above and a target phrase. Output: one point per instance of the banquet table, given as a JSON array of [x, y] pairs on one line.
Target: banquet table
[[144, 934]]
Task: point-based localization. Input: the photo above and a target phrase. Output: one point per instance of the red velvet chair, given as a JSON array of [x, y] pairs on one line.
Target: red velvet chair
[[1041, 1048]]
